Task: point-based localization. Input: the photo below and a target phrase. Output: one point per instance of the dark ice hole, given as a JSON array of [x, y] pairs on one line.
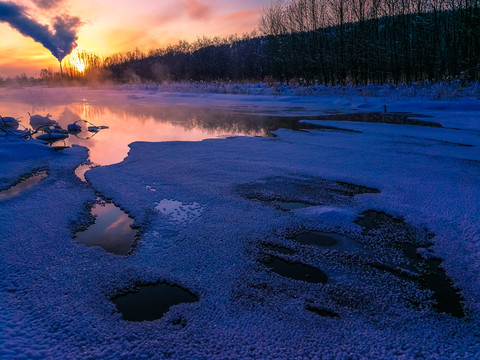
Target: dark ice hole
[[431, 276], [322, 312], [295, 271], [373, 220], [377, 117], [446, 296], [151, 302], [112, 230], [24, 184]]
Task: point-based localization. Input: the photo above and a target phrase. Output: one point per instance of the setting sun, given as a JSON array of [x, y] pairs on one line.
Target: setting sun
[[78, 62], [80, 65]]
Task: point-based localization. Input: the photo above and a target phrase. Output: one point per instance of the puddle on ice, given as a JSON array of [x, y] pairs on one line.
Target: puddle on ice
[[322, 312], [447, 298], [295, 271], [373, 220], [112, 230], [376, 117], [151, 302], [82, 169], [430, 275], [25, 183], [178, 212]]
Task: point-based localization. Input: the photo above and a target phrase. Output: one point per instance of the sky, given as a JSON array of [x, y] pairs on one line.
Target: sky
[[110, 26]]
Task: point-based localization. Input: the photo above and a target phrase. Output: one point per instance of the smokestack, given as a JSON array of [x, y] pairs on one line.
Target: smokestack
[[60, 39]]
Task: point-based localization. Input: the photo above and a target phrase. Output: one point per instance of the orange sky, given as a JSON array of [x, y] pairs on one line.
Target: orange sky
[[111, 26]]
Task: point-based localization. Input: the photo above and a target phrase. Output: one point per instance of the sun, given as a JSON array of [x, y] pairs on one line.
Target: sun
[[76, 63], [79, 64]]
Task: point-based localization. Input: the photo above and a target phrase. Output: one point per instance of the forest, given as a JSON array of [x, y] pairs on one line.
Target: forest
[[314, 42]]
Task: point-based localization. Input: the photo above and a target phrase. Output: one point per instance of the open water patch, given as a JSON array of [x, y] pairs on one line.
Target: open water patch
[[295, 270], [447, 298], [426, 271], [374, 220], [322, 312], [81, 170], [23, 184], [378, 117], [151, 302], [112, 230]]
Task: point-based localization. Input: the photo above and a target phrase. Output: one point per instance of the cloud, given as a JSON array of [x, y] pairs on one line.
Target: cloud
[[120, 39], [244, 15], [196, 9], [60, 40], [47, 4]]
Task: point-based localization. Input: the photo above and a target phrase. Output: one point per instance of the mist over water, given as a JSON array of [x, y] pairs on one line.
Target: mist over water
[[136, 117], [130, 123]]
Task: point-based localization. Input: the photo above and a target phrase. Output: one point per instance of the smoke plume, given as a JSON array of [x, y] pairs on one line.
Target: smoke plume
[[60, 40], [47, 4]]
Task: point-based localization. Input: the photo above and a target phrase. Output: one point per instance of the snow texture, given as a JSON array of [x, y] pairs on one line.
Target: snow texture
[[204, 224], [179, 212]]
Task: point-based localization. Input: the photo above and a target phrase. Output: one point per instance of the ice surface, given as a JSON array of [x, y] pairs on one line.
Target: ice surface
[[56, 293], [177, 211]]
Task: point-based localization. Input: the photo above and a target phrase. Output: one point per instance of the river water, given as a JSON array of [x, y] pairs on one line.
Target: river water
[[130, 123]]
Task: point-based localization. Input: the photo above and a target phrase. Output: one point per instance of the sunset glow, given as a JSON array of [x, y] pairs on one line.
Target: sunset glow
[[79, 64], [109, 27]]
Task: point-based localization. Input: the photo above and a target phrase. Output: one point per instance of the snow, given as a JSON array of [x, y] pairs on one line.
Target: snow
[[202, 231], [179, 212], [37, 121]]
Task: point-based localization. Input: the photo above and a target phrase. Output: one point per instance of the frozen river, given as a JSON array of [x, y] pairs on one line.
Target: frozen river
[[347, 239]]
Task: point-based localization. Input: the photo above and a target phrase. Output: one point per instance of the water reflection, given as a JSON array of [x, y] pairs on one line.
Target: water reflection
[[112, 230], [130, 123], [24, 184], [82, 169]]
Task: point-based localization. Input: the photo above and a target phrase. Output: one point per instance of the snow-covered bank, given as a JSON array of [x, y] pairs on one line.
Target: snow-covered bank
[[204, 226], [432, 185], [428, 91], [453, 90]]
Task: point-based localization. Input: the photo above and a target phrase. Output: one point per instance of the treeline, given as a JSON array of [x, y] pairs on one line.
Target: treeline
[[320, 41], [380, 41]]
